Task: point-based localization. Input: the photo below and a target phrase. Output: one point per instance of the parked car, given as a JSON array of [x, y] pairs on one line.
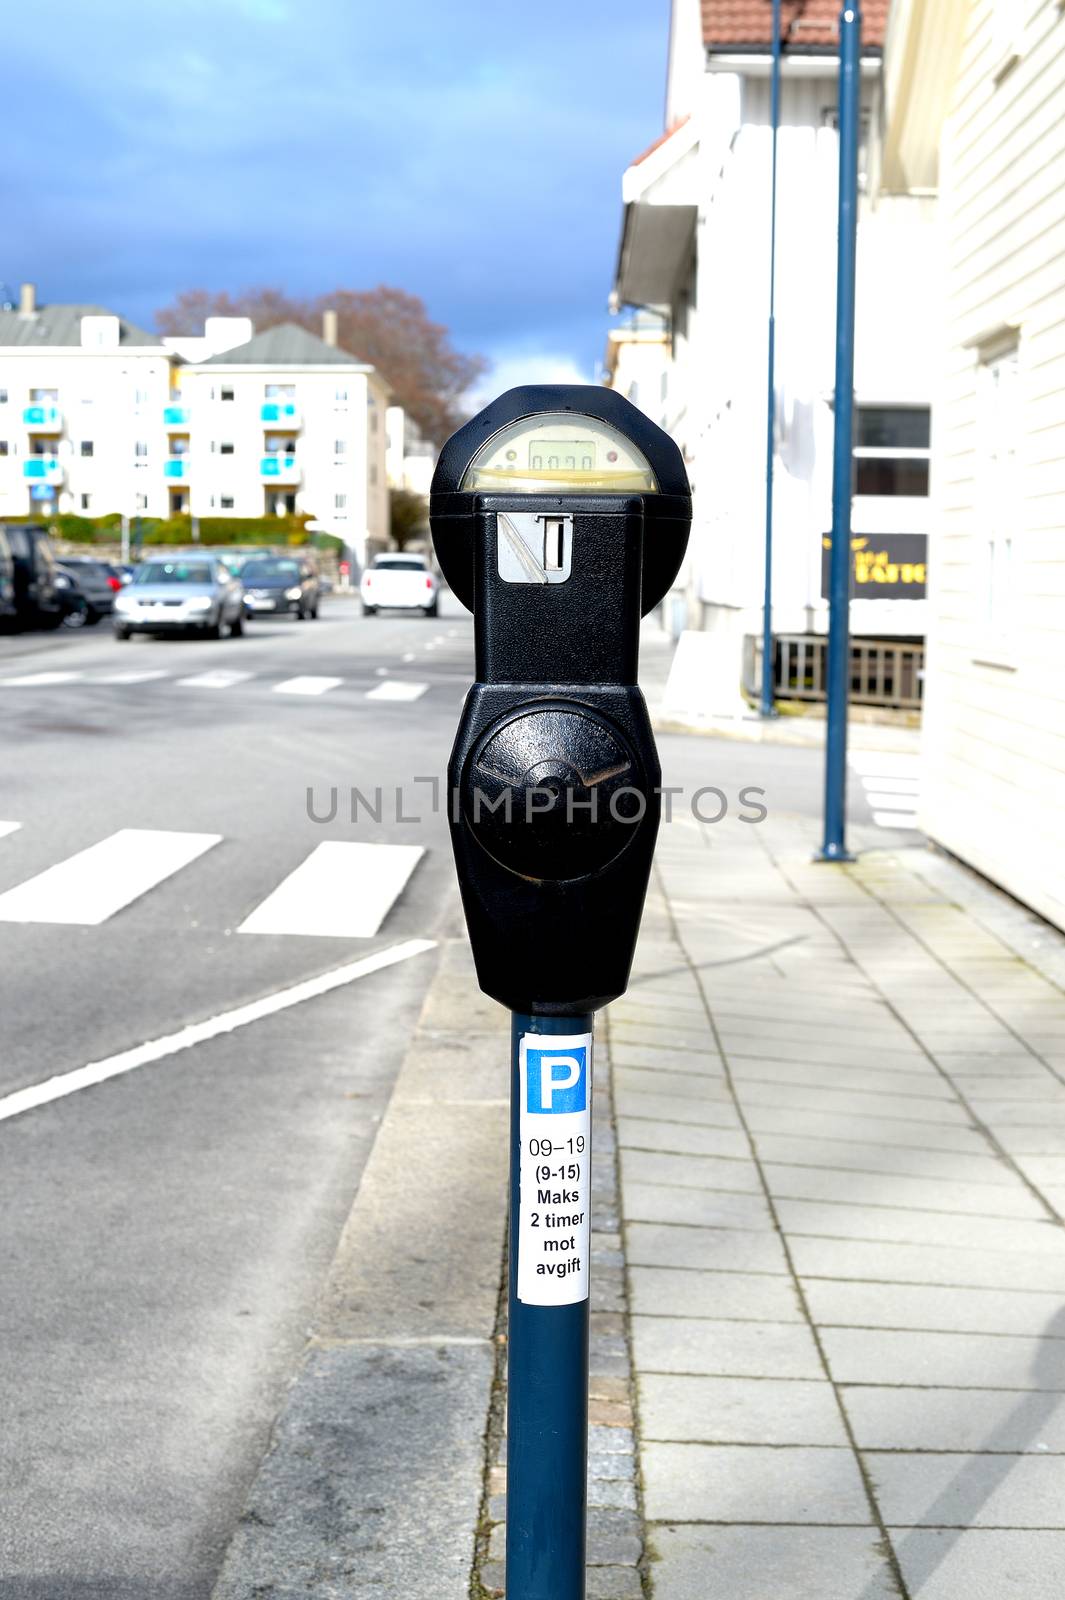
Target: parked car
[[7, 581], [280, 584], [175, 596], [97, 583], [38, 603], [398, 583]]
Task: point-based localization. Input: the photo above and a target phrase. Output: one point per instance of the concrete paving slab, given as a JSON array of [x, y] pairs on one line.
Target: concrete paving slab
[[982, 1564], [757, 1563], [741, 1296], [724, 1349], [907, 1305], [839, 1155], [965, 1491], [684, 1109], [691, 1172], [960, 1360], [653, 1244], [865, 1129], [921, 1227], [643, 1133], [656, 1202], [913, 1263], [911, 1193], [976, 1421], [694, 1085], [750, 1483], [739, 1411]]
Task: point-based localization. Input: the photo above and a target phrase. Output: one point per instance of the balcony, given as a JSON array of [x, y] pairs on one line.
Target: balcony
[[176, 469], [43, 419], [176, 418], [46, 470], [283, 414], [279, 468]]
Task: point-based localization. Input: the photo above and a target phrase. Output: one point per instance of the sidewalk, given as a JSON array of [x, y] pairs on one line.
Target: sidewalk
[[841, 1117]]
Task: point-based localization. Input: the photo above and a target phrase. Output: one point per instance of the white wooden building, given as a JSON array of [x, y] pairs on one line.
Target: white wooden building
[[975, 108]]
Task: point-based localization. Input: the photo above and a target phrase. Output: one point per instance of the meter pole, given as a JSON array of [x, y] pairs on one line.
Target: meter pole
[[547, 1401]]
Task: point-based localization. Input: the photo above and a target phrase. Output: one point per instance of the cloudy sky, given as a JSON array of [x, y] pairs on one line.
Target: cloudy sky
[[468, 150]]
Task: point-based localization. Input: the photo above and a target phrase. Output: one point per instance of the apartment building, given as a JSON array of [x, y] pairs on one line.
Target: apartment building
[[695, 250], [975, 112], [99, 416]]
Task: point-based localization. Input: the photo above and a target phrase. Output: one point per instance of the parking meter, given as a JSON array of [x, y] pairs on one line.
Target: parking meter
[[560, 516]]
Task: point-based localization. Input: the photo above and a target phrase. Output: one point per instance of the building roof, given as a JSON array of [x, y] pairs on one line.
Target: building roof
[[806, 24], [662, 137], [287, 345], [61, 325]]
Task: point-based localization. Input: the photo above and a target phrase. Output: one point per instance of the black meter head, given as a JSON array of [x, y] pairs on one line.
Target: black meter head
[[559, 515], [559, 442]]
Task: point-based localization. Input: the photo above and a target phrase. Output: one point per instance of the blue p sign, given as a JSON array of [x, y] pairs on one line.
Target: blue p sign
[[557, 1079]]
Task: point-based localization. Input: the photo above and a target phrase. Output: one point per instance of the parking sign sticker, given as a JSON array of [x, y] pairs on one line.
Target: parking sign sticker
[[554, 1173]]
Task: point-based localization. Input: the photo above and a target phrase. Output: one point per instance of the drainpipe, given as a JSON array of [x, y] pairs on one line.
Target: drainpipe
[[768, 709]]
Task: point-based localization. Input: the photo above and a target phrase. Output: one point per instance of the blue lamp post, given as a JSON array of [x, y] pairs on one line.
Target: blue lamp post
[[834, 847], [767, 707]]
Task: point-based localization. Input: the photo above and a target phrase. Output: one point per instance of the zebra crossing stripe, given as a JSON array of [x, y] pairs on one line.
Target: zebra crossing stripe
[[308, 685], [9, 827], [214, 680], [91, 886], [397, 689], [133, 677], [342, 890], [34, 680]]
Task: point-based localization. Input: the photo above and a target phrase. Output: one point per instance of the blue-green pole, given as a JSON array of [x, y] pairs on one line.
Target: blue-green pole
[[767, 708], [834, 847], [547, 1403]]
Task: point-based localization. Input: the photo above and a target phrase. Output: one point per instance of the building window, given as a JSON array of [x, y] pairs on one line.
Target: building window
[[225, 448], [140, 448], [891, 451], [86, 447], [340, 502], [226, 502], [280, 391], [140, 397], [341, 397], [998, 497], [44, 396], [86, 502], [3, 447], [3, 397], [142, 502], [340, 447], [226, 394]]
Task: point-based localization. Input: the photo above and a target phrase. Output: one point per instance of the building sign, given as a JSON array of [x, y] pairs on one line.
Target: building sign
[[884, 566]]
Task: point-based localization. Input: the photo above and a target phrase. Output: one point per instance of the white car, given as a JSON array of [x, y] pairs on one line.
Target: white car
[[398, 583]]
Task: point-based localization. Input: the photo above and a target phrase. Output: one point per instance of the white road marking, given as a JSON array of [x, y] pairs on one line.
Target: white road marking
[[904, 801], [308, 685], [343, 890], [408, 655], [9, 827], [91, 886], [214, 680], [132, 677], [32, 680], [394, 689], [886, 785], [41, 1094]]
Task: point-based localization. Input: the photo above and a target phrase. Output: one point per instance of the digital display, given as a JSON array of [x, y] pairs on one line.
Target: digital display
[[561, 455]]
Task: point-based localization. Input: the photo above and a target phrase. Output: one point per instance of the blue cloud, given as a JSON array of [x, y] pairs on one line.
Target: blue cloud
[[471, 153]]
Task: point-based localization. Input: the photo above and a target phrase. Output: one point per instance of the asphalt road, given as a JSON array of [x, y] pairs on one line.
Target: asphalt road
[[164, 1234]]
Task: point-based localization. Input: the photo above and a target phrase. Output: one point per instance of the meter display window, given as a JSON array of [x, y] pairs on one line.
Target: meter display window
[[563, 451]]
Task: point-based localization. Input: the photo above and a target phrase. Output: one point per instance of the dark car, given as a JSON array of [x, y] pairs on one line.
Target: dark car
[[7, 580], [38, 603], [280, 583], [97, 583]]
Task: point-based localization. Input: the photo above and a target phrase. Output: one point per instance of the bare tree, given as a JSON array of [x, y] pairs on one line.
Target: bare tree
[[386, 327]]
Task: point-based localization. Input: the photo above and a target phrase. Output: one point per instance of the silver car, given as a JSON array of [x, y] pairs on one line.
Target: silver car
[[175, 596]]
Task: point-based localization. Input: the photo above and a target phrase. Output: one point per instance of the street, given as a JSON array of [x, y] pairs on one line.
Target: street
[[165, 1235]]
